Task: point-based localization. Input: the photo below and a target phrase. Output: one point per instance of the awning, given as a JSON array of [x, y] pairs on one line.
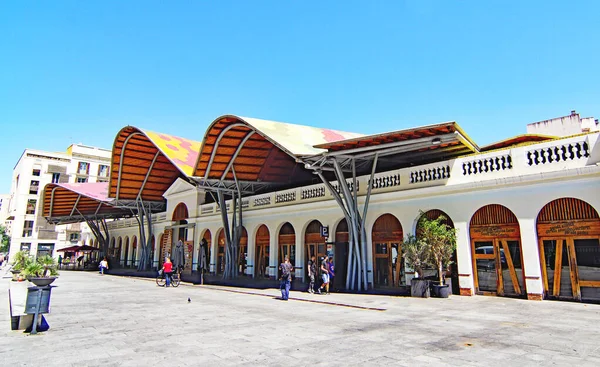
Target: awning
[[76, 202], [399, 149], [69, 249]]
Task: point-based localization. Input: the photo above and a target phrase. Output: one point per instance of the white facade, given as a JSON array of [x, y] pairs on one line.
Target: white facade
[[35, 169], [564, 126], [523, 179]]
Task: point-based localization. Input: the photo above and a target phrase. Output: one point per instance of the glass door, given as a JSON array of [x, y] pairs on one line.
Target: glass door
[[499, 267], [485, 264], [262, 261], [286, 250], [387, 261], [587, 252], [242, 263], [571, 268]]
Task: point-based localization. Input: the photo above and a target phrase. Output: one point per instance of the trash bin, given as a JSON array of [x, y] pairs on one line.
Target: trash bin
[[27, 304]]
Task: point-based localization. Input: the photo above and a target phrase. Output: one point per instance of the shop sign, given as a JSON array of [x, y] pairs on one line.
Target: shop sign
[[325, 231], [569, 229], [494, 231]]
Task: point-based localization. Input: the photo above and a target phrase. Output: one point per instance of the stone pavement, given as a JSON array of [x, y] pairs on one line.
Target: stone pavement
[[119, 321]]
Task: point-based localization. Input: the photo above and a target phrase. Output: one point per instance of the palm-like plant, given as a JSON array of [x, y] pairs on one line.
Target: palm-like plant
[[44, 267], [20, 260]]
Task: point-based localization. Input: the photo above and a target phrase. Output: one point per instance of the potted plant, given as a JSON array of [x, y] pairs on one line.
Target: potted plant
[[440, 240], [415, 253], [41, 272], [19, 261]]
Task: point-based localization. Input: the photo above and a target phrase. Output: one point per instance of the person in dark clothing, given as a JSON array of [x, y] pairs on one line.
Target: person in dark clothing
[[331, 274], [178, 256], [286, 278], [312, 273]]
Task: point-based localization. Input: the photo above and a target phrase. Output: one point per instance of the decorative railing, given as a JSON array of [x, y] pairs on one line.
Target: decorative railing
[[559, 153], [350, 184], [262, 201], [429, 174], [313, 192], [382, 182], [485, 165], [285, 197]]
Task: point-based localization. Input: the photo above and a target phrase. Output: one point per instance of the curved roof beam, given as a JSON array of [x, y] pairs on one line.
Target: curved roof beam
[[145, 164]]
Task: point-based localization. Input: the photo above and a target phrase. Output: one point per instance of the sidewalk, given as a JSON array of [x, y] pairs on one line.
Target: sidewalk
[[107, 320]]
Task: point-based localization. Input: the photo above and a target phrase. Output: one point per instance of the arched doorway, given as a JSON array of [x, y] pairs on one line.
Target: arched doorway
[[314, 243], [220, 252], [340, 257], [126, 255], [387, 238], [434, 214], [569, 239], [204, 252], [287, 244], [262, 242], [180, 235], [496, 252]]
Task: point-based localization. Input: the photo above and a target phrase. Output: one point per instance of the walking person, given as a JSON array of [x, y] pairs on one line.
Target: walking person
[[103, 266], [59, 261], [168, 270], [324, 275], [312, 273], [331, 275], [286, 278]]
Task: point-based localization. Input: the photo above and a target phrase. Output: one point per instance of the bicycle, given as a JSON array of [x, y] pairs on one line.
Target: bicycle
[[161, 280]]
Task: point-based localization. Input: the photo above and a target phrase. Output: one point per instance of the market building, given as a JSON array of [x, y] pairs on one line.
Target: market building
[[525, 208]]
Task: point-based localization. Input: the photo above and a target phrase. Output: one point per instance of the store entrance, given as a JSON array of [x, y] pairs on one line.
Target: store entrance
[[499, 267], [387, 269], [569, 243]]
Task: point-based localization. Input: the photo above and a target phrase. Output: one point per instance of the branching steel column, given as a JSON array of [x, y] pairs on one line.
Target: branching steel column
[[216, 146], [340, 201], [351, 208], [139, 195], [234, 156], [74, 206], [121, 162]]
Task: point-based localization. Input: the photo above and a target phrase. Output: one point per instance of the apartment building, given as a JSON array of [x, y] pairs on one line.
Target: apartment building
[[36, 168]]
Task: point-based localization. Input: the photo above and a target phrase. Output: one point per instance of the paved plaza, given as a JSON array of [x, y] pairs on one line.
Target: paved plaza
[[119, 321]]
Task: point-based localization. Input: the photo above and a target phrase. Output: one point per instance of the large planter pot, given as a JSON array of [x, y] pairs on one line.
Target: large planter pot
[[15, 274], [42, 282], [441, 291], [419, 288]]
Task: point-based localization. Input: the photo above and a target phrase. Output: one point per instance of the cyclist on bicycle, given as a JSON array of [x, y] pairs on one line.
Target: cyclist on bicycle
[[168, 270]]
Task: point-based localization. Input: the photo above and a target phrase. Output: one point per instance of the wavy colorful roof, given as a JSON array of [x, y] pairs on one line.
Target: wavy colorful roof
[[146, 163], [260, 150]]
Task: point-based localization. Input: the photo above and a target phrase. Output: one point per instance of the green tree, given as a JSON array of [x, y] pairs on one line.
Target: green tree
[[4, 240], [440, 240]]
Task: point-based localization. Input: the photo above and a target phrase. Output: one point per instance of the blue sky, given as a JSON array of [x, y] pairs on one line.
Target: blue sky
[[77, 72]]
